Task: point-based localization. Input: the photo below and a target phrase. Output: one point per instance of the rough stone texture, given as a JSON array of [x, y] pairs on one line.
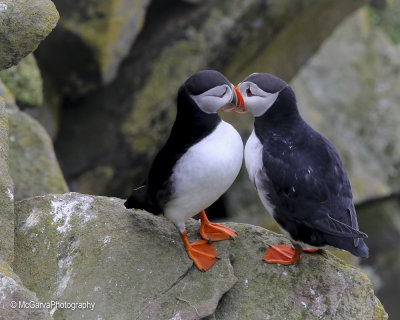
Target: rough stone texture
[[347, 92], [319, 287], [6, 191], [90, 41], [25, 82], [381, 220], [7, 96], [33, 164], [12, 291], [388, 20], [23, 25], [133, 266], [77, 247]]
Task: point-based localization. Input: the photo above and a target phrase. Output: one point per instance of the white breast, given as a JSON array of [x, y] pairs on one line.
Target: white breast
[[253, 156], [205, 172], [254, 165]]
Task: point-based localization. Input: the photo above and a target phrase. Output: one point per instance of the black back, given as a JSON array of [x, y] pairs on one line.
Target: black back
[[304, 178], [191, 126]]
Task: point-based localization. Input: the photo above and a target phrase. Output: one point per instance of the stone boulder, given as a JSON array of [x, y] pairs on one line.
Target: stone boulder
[[33, 164], [380, 218], [8, 96], [14, 296], [23, 25], [133, 265], [25, 83], [6, 191], [90, 41]]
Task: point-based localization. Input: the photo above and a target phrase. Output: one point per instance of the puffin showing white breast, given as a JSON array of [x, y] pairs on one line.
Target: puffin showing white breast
[[298, 174], [198, 163]]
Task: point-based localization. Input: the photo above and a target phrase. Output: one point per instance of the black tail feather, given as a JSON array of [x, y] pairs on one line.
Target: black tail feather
[[139, 200]]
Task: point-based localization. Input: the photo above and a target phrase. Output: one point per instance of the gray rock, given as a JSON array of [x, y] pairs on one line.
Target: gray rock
[[33, 164], [8, 96], [14, 297], [23, 25], [90, 41], [25, 83], [379, 219], [6, 191], [319, 287], [133, 266], [347, 92]]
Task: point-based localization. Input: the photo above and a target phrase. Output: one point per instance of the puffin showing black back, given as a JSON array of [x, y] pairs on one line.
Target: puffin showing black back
[[198, 163], [298, 174]]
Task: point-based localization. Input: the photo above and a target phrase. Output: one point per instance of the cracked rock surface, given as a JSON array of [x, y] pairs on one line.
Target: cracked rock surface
[[133, 265]]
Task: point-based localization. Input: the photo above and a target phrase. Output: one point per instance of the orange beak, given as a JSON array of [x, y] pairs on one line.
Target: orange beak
[[237, 103], [239, 100]]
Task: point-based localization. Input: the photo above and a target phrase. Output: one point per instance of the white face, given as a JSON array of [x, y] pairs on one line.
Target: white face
[[214, 99], [256, 100]]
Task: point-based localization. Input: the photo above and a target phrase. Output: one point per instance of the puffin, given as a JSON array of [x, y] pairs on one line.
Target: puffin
[[197, 164], [298, 175]]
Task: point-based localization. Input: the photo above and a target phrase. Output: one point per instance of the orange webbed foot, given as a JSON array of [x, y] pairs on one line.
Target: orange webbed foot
[[201, 252], [214, 231], [282, 254]]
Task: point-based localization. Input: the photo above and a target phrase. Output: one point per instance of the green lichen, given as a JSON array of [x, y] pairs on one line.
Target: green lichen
[[33, 166], [6, 192], [108, 28], [6, 270], [25, 83], [29, 22]]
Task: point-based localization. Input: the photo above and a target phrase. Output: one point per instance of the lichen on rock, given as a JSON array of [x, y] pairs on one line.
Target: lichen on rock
[[98, 34], [133, 265], [6, 191], [33, 163], [130, 265], [13, 295], [24, 82], [23, 25]]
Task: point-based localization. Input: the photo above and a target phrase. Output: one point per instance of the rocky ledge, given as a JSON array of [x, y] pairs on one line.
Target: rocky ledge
[[133, 265]]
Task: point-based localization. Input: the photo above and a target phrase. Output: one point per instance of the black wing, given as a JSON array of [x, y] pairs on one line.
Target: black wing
[[305, 180]]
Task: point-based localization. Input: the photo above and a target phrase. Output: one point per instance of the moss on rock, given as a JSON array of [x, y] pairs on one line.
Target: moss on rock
[[25, 82], [6, 191], [12, 291], [23, 25], [33, 163], [89, 43], [133, 265]]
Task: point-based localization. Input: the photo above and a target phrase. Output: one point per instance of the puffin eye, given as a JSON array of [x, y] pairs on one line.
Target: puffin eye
[[249, 93]]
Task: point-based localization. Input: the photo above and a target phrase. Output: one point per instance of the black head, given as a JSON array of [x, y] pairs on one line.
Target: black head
[[260, 91], [211, 91]]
